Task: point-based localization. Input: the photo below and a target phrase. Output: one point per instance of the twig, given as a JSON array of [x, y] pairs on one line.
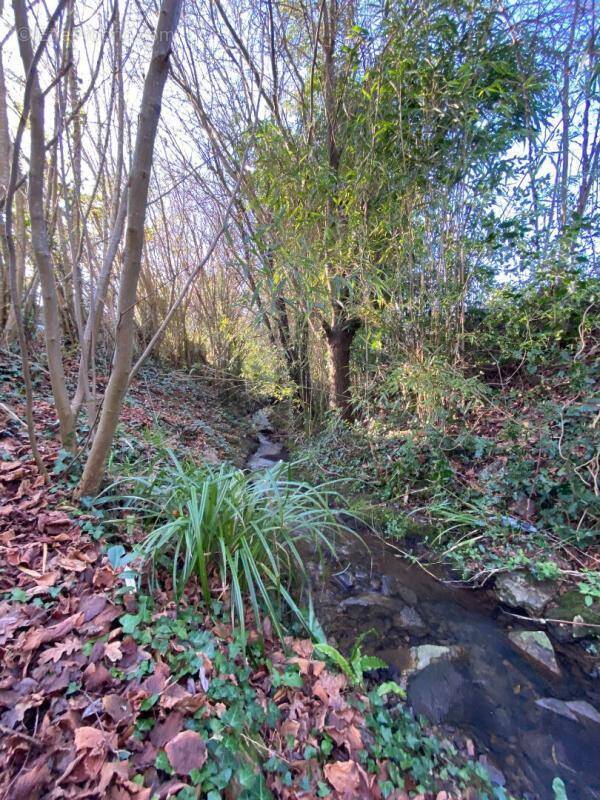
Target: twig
[[544, 620], [20, 734], [12, 414]]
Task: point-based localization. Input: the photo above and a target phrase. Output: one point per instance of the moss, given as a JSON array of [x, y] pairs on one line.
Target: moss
[[570, 605]]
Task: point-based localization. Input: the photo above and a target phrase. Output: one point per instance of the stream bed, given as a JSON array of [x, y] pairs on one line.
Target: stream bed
[[451, 647]]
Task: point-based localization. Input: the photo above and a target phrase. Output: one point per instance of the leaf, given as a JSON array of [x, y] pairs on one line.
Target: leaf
[[90, 738], [115, 555], [59, 650], [346, 777], [390, 687], [113, 651], [116, 707], [371, 662], [186, 751], [559, 789], [337, 658]]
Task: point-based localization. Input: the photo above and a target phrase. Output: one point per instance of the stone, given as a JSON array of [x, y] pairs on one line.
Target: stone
[[576, 710], [537, 648], [435, 691], [557, 707], [424, 655], [390, 585], [496, 775], [409, 620], [345, 580], [518, 590], [571, 607], [369, 600], [585, 711]]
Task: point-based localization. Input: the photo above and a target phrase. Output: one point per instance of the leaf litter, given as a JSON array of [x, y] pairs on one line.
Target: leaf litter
[[77, 689]]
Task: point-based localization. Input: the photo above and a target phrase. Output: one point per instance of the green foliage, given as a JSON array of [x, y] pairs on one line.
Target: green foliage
[[407, 747], [433, 389], [244, 531], [355, 666], [543, 325]]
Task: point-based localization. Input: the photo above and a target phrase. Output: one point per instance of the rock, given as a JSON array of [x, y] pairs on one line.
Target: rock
[[409, 620], [390, 585], [426, 654], [557, 707], [585, 711], [536, 647], [345, 580], [518, 590], [576, 710], [571, 607], [434, 691], [496, 775], [262, 422], [369, 600]]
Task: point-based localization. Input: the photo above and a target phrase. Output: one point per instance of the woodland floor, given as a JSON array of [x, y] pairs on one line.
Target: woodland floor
[[109, 694]]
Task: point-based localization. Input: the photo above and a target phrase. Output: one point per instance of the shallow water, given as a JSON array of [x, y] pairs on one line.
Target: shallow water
[[487, 690]]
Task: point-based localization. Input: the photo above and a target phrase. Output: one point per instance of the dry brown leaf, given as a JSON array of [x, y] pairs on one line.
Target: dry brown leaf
[[186, 751], [89, 738], [61, 649], [29, 784], [113, 651], [116, 707], [348, 778]]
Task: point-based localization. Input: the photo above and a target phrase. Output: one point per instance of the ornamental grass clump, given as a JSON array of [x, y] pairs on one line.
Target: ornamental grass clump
[[225, 527]]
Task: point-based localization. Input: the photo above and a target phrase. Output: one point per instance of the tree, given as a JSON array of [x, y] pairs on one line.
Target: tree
[[137, 199]]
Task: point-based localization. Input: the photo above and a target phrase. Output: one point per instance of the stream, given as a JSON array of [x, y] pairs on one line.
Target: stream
[[451, 647]]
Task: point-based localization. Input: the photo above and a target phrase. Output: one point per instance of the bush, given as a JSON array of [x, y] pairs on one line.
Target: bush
[[433, 389]]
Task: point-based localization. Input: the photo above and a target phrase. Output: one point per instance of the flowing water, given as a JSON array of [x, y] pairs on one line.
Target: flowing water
[[483, 687]]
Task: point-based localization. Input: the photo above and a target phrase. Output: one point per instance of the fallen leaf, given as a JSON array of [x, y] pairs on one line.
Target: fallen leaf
[[116, 707], [347, 778], [29, 784], [89, 738], [113, 651], [34, 638], [186, 751], [164, 731], [61, 649]]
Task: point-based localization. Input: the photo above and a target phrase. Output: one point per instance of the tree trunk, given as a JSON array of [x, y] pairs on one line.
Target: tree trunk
[[39, 234], [339, 339], [134, 241], [4, 177]]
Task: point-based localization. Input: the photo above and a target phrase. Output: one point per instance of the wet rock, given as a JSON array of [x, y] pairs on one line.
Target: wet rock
[[556, 706], [585, 711], [369, 600], [409, 620], [345, 580], [424, 655], [576, 710], [571, 607], [262, 422], [496, 775], [519, 590], [436, 690], [391, 586], [536, 647]]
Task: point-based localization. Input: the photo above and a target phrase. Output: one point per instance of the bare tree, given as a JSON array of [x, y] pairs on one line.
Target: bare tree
[[139, 182]]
